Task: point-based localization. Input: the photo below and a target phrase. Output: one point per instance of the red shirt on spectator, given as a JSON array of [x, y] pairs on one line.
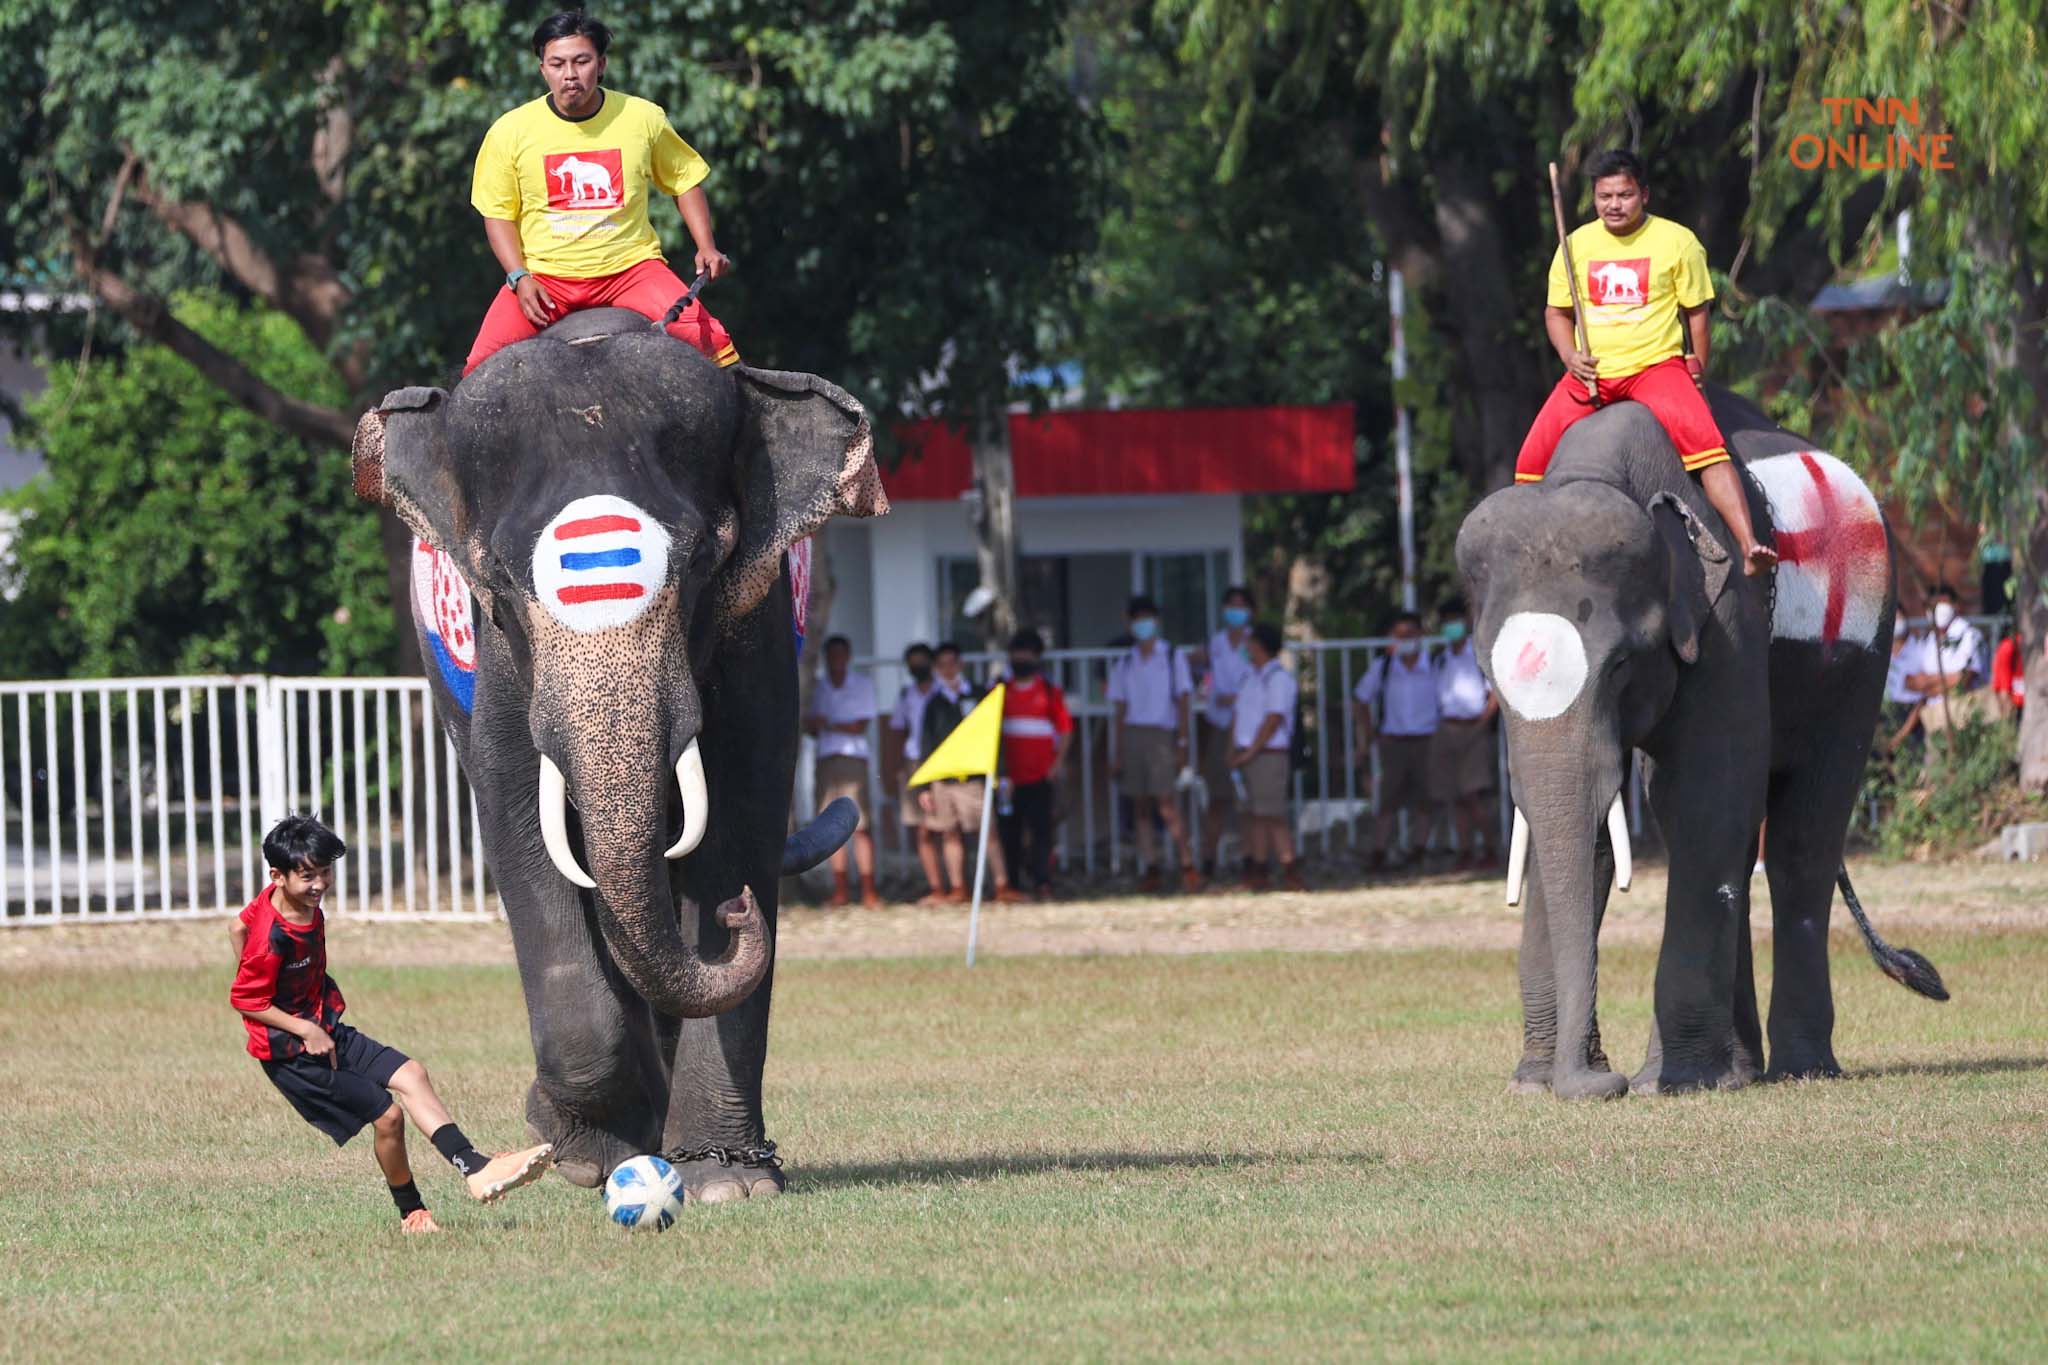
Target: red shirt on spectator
[[1034, 717], [2008, 675]]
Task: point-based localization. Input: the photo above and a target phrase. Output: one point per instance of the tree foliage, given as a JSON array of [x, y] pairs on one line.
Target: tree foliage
[[173, 532]]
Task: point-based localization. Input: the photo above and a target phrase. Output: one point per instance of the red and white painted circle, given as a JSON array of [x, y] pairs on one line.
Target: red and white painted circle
[[441, 603], [1834, 556], [600, 563], [1539, 664]]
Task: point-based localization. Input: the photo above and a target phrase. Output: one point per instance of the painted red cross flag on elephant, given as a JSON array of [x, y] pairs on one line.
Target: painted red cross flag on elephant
[[1834, 554]]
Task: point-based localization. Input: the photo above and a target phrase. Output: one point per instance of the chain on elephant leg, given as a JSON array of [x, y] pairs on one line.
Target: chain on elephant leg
[[717, 1174]]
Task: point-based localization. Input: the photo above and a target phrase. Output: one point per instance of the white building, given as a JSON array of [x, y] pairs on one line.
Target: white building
[[1110, 503]]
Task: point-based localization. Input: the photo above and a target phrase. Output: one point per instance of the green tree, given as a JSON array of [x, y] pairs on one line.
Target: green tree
[[1253, 291], [175, 532]]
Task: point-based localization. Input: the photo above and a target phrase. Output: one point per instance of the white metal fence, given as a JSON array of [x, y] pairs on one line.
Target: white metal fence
[[148, 798]]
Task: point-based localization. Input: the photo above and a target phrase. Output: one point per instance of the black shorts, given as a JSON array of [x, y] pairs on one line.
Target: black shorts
[[340, 1099]]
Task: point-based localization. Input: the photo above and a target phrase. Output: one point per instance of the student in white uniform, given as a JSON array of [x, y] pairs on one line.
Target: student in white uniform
[[1403, 684], [842, 707], [1462, 754], [1229, 670], [1262, 738], [1150, 687]]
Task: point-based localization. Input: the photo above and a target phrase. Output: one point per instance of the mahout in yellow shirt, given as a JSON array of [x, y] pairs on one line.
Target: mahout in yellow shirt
[[1631, 289], [578, 187]]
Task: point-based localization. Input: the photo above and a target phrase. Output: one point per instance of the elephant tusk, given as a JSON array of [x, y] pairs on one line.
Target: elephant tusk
[[1617, 835], [554, 823], [696, 801], [1518, 857]]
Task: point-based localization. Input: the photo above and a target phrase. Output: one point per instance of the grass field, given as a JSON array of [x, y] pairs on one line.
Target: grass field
[[1243, 1154]]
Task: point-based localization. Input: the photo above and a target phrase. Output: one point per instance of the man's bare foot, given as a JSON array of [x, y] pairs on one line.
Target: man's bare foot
[[1758, 559], [419, 1220], [507, 1171]]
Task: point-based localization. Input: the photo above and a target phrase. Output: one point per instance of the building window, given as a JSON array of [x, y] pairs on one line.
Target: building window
[[1075, 601], [1189, 588]]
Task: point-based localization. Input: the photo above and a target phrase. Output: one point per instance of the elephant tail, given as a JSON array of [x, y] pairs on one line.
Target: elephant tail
[[1902, 965]]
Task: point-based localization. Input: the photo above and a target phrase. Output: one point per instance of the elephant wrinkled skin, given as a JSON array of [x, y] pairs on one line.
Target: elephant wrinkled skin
[[620, 509]]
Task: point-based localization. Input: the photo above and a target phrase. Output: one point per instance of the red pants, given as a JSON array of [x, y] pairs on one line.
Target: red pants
[[648, 288], [1666, 389]]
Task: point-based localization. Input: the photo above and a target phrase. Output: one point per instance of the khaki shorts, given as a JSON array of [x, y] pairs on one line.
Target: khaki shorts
[[1150, 762], [956, 805], [1216, 765], [1460, 761], [1265, 782], [1404, 772], [847, 776]]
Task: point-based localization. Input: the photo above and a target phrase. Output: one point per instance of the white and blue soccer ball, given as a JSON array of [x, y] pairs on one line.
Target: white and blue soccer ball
[[644, 1194]]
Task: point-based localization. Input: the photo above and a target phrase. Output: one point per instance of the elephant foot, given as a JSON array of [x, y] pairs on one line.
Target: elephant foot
[[584, 1155], [1671, 1079], [1821, 1068], [1589, 1085], [1532, 1077], [714, 1174]]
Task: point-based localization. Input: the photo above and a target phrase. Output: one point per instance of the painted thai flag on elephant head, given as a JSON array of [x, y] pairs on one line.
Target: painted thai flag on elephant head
[[443, 610], [599, 563]]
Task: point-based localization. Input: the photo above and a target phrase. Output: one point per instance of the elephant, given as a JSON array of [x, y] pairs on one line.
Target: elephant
[[1612, 617], [602, 597]]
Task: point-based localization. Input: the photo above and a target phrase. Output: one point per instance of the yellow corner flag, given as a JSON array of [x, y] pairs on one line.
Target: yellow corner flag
[[970, 751]]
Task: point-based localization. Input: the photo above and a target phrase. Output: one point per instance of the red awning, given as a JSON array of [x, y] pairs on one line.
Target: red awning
[[1297, 449]]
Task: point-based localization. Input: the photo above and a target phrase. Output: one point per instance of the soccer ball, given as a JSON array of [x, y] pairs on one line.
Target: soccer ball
[[644, 1194]]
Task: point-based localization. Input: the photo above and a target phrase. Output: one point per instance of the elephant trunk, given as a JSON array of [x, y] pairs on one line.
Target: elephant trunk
[[1567, 806], [621, 745]]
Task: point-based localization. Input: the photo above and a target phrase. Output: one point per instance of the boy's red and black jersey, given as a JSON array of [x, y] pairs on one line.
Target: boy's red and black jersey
[[285, 965]]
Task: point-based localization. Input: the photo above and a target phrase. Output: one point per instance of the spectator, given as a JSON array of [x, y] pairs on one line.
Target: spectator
[[2009, 669], [1036, 732], [1951, 657], [1150, 687], [901, 760], [842, 705], [1403, 683], [1461, 761], [1262, 735], [1901, 711], [951, 809], [1229, 670]]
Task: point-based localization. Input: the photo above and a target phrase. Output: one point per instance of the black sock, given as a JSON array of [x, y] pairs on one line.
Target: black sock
[[407, 1197], [449, 1142]]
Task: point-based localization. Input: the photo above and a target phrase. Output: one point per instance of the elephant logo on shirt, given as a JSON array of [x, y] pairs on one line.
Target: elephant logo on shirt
[[1618, 281], [585, 180]]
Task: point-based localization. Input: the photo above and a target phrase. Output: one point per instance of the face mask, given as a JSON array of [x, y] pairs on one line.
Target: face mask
[[1408, 649], [1237, 618], [921, 673], [1943, 615], [1023, 668], [1455, 631], [1144, 628]]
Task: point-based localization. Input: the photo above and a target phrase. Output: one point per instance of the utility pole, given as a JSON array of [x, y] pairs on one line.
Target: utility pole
[[1404, 473]]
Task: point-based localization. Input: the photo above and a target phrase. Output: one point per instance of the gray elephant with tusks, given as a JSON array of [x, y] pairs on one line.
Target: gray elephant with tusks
[[1612, 617], [599, 584]]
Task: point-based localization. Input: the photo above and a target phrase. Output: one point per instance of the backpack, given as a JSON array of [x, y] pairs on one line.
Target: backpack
[[942, 716]]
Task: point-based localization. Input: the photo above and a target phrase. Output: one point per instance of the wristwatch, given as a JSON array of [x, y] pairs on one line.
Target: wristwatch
[[513, 277]]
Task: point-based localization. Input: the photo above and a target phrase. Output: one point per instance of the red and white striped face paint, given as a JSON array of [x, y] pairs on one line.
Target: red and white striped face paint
[[599, 563], [1539, 664]]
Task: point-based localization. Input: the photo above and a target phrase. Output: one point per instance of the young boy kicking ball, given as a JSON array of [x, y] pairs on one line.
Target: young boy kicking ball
[[339, 1079]]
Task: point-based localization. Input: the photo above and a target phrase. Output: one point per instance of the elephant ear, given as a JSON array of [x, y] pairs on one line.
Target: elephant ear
[[1699, 572], [806, 455], [400, 456]]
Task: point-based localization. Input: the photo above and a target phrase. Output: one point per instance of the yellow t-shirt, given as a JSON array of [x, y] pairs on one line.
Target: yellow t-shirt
[[1631, 289], [578, 188]]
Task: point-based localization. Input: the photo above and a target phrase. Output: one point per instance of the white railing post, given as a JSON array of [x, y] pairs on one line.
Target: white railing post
[[270, 751]]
